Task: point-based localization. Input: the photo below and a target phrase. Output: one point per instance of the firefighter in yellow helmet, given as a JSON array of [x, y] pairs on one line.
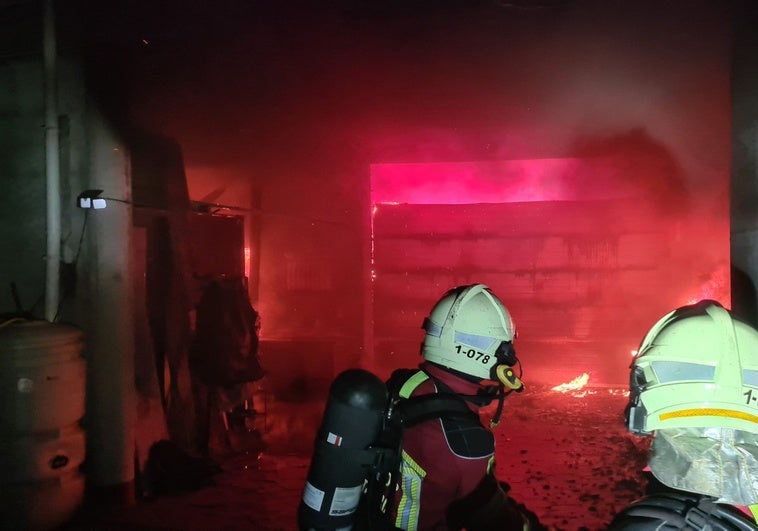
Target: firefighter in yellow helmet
[[694, 389], [447, 468]]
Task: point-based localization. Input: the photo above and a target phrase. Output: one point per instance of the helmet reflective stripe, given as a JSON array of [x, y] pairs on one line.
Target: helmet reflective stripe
[[481, 342], [709, 412], [679, 371], [750, 377]]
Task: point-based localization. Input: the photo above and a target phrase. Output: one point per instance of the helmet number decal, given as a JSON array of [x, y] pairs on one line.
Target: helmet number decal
[[750, 397], [473, 353]]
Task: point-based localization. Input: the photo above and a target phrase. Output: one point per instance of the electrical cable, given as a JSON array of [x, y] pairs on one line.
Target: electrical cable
[[117, 200], [81, 237], [74, 263]]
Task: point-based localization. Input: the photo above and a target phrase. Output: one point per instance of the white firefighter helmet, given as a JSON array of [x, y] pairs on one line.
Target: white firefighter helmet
[[469, 330], [696, 368]]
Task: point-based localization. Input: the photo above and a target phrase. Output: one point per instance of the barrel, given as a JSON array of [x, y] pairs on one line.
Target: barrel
[[42, 443]]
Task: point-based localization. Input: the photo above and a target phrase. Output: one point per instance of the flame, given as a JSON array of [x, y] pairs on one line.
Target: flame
[[574, 385]]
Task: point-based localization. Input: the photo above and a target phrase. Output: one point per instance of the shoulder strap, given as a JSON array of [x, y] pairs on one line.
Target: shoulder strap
[[399, 384], [412, 383], [419, 409], [411, 410]]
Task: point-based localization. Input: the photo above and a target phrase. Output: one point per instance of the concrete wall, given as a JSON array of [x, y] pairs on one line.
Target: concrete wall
[[744, 182], [22, 172], [582, 279], [96, 284]]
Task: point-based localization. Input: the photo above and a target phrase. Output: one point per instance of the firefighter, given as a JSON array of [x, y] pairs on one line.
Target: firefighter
[[694, 389], [447, 478]]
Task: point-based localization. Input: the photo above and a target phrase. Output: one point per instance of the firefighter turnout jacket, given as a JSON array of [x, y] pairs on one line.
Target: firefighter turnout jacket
[[447, 470]]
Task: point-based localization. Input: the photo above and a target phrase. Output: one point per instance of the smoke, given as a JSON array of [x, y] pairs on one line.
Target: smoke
[[623, 100]]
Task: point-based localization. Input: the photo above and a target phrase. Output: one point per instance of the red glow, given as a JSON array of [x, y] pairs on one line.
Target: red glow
[[508, 181], [586, 253], [715, 287]]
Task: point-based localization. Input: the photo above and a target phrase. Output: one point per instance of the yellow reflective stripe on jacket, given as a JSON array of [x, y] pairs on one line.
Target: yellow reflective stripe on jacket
[[412, 475], [754, 511]]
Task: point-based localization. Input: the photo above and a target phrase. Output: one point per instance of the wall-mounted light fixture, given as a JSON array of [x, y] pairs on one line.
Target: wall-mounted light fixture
[[90, 199]]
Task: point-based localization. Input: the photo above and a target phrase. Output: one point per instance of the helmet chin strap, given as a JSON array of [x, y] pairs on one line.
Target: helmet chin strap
[[485, 396]]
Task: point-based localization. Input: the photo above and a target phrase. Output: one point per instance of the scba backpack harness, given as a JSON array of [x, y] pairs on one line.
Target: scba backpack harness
[[356, 461], [678, 510]]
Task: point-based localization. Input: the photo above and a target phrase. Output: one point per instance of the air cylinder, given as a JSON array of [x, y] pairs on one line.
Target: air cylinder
[[351, 424]]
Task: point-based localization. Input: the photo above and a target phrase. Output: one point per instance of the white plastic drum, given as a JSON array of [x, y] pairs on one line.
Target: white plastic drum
[[42, 400]]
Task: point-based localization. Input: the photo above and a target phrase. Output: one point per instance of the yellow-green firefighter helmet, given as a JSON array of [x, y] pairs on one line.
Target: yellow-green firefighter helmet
[[697, 367], [470, 331]]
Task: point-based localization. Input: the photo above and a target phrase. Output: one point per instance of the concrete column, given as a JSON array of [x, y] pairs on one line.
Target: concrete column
[[110, 417]]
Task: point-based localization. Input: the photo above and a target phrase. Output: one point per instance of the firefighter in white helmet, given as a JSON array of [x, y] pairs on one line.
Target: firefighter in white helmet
[[447, 470], [694, 389]]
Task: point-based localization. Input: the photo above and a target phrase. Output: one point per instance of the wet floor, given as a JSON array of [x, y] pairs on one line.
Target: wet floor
[[566, 456]]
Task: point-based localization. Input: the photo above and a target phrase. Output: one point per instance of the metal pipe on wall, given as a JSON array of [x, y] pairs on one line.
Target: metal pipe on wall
[[52, 168]]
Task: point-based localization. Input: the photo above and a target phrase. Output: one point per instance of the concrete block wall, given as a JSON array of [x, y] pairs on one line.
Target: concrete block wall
[[582, 279]]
